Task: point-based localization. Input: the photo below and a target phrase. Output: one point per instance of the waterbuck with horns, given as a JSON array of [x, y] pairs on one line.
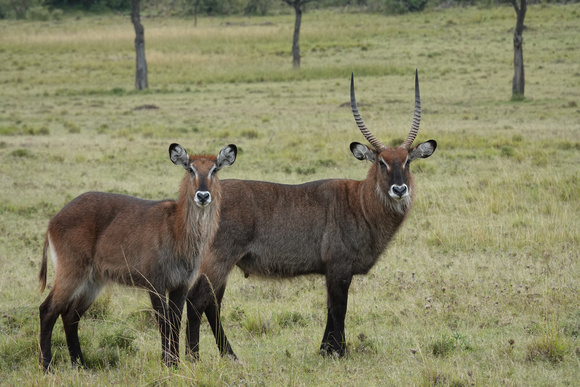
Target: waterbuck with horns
[[337, 228], [156, 245]]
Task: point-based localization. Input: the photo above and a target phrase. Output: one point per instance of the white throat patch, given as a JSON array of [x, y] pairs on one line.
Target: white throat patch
[[398, 206]]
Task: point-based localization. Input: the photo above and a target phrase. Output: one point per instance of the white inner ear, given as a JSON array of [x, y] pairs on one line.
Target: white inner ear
[[426, 148], [177, 154], [179, 157], [358, 153], [423, 150], [226, 157], [361, 152]]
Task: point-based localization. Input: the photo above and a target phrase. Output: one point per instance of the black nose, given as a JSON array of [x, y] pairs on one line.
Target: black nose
[[203, 196], [399, 190]]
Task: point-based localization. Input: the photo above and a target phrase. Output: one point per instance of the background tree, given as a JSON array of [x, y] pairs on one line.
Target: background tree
[[298, 6], [519, 79], [195, 4], [141, 73]]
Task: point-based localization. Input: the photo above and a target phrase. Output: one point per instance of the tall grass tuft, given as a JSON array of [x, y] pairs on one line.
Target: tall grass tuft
[[551, 345]]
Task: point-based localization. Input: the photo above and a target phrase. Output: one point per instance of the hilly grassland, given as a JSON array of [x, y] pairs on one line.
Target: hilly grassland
[[480, 287]]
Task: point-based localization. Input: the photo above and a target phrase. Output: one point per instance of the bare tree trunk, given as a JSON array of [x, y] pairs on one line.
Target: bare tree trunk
[[141, 73], [298, 6], [195, 9], [296, 38], [518, 84]]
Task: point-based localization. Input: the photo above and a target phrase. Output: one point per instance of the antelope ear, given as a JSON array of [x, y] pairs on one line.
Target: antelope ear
[[227, 156], [178, 155], [362, 152], [423, 150]]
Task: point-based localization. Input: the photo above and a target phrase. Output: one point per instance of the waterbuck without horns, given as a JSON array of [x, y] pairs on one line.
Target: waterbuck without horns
[[337, 228], [101, 237]]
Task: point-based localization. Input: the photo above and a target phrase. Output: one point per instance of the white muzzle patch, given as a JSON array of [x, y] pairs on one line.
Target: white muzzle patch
[[202, 198]]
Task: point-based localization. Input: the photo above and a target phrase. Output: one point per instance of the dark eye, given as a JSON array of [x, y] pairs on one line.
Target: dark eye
[[212, 171], [192, 170]]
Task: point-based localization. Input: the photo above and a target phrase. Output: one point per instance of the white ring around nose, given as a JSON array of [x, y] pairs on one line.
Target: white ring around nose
[[202, 198]]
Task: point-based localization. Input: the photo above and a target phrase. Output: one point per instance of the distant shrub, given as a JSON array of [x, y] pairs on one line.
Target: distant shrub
[[57, 14], [21, 153], [403, 6], [38, 13], [117, 91], [42, 131], [507, 151], [222, 7], [326, 162], [306, 170], [29, 9], [257, 7], [250, 133], [91, 5], [72, 127], [9, 130], [15, 9]]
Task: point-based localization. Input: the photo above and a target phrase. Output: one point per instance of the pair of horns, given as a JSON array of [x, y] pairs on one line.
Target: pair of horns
[[379, 146]]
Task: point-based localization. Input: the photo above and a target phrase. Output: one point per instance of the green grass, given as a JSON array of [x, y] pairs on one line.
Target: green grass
[[480, 287]]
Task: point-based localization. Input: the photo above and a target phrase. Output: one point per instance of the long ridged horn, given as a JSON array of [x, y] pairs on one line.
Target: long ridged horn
[[379, 147], [416, 116]]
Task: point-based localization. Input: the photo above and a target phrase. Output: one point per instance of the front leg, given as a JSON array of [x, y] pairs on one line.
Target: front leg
[[337, 285], [325, 345], [176, 301], [163, 323], [198, 298]]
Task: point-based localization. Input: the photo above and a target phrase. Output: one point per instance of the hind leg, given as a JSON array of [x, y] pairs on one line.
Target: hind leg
[[49, 313], [71, 318], [205, 297], [213, 314], [61, 301]]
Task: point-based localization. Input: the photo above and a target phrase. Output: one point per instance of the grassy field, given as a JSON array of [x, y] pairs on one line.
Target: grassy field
[[481, 285]]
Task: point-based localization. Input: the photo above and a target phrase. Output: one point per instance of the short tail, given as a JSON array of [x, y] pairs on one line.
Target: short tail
[[42, 274]]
